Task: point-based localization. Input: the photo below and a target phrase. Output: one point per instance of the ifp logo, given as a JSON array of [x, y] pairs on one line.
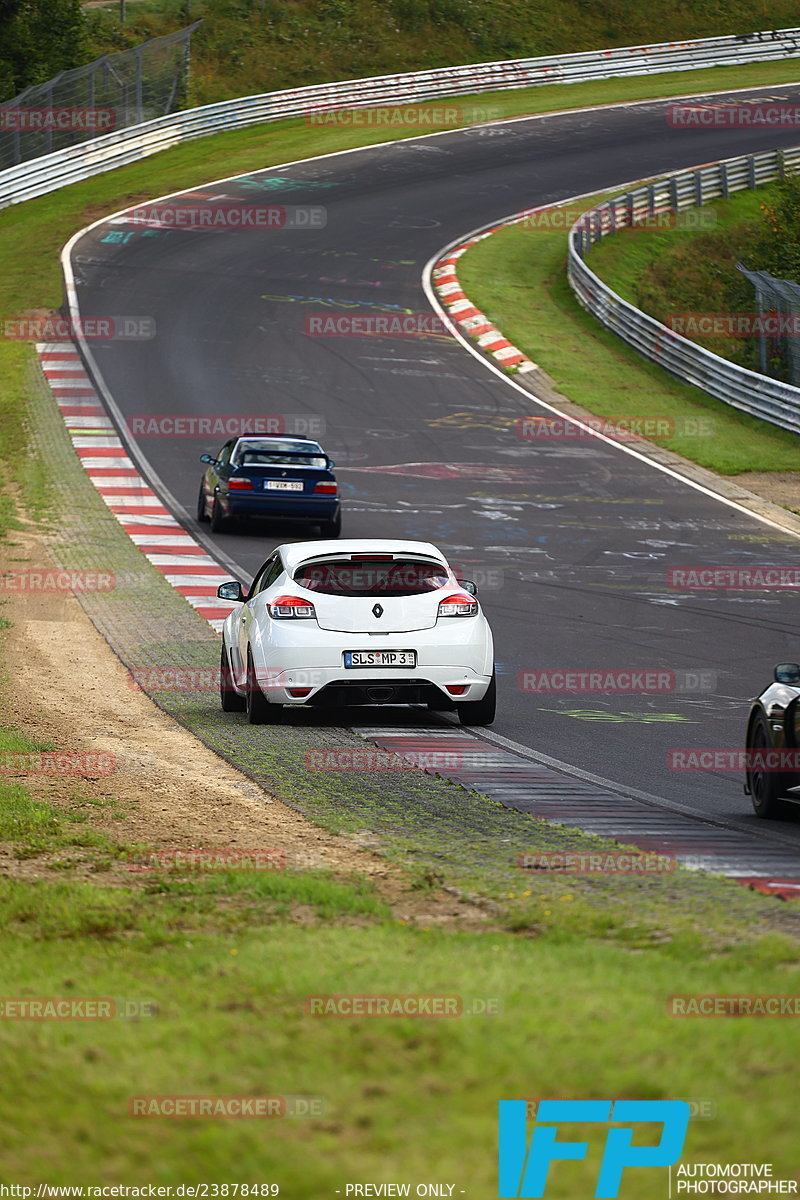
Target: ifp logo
[[523, 1169]]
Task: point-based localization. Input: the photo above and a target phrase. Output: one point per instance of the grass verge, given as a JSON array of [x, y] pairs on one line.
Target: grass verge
[[518, 278]]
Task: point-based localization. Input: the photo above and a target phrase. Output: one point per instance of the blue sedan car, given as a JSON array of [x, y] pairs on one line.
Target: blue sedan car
[[270, 475]]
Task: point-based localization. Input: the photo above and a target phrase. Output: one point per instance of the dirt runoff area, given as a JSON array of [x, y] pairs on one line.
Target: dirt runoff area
[[63, 685], [780, 487]]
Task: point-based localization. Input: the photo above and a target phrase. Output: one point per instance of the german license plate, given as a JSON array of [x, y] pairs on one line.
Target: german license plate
[[284, 485], [380, 658]]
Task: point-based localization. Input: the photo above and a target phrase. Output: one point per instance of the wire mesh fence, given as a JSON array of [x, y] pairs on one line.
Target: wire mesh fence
[[778, 325], [113, 92]]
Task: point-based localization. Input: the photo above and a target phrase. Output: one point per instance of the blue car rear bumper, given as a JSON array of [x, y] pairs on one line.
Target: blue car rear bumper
[[322, 508]]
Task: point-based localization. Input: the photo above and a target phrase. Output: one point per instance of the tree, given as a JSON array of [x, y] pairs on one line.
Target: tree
[[38, 39]]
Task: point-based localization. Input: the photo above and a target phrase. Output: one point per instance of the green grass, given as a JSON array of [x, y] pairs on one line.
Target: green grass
[[518, 278], [406, 1099], [242, 48], [693, 273]]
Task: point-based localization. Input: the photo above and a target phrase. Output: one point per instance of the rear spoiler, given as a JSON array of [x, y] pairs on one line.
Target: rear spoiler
[[347, 556]]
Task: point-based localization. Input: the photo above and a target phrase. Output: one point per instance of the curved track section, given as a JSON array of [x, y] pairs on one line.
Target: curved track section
[[571, 541]]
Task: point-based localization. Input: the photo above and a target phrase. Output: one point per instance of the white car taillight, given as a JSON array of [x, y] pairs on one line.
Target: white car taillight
[[459, 605], [291, 608]]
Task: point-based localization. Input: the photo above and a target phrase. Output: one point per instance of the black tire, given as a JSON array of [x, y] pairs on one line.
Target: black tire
[[202, 515], [480, 712], [230, 699], [259, 710], [219, 524], [764, 785], [332, 529]]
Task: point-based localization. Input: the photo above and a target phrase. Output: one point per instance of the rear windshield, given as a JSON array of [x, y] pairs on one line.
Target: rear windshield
[[401, 577], [280, 454]]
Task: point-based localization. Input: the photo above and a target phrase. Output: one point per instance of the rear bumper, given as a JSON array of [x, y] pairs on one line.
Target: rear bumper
[[337, 689], [312, 658], [243, 504]]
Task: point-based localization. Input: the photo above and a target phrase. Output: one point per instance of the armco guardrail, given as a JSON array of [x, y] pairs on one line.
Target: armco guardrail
[[67, 166], [756, 394]]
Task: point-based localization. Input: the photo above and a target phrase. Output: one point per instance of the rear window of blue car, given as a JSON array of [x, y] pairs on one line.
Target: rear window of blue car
[[400, 577], [275, 453]]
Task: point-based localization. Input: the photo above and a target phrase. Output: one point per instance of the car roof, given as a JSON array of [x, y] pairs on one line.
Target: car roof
[[295, 553]]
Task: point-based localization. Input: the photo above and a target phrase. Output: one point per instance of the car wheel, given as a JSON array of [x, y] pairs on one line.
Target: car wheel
[[764, 785], [259, 710], [202, 515], [219, 523], [479, 712], [229, 698], [332, 529]]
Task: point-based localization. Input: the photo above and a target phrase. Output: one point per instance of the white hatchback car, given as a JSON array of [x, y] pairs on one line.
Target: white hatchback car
[[356, 622]]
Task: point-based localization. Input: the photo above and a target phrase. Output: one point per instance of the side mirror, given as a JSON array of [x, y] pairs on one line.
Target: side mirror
[[468, 586], [331, 464], [787, 673], [208, 458], [231, 591]]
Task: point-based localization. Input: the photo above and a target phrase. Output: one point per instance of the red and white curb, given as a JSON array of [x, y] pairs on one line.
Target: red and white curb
[[473, 322], [183, 562]]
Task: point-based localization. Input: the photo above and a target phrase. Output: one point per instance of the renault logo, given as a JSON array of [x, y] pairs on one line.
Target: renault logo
[[377, 610]]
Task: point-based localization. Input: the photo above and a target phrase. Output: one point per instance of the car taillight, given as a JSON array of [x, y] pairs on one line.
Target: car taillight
[[459, 605], [290, 608], [240, 485], [326, 488]]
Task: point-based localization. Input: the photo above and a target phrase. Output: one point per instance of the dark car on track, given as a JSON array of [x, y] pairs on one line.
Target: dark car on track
[[773, 744], [270, 475]]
